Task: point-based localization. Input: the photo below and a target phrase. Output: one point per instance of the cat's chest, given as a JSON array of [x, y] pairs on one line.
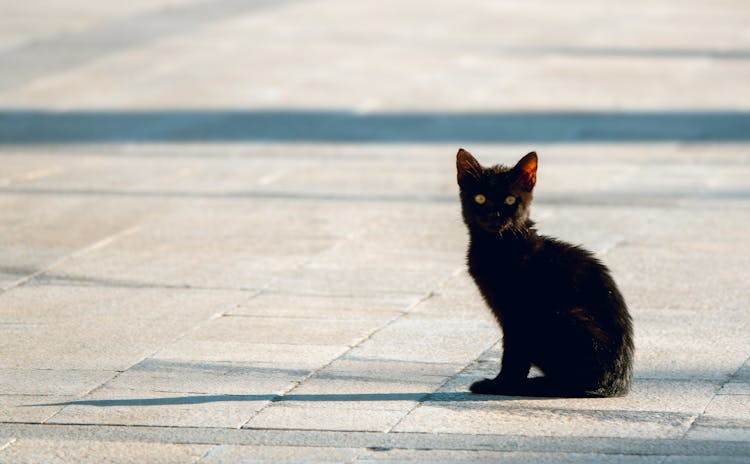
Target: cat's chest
[[501, 267]]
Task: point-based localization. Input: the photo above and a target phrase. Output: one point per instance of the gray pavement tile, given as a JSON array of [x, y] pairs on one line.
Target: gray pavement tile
[[698, 222], [313, 416], [665, 349], [361, 385], [218, 378], [297, 331], [545, 422], [30, 408], [156, 408], [424, 231], [386, 257], [598, 228], [408, 178], [30, 247], [734, 407], [179, 250], [367, 282], [650, 410], [82, 327], [277, 354], [200, 281], [153, 176], [739, 383], [458, 299], [293, 306], [62, 451], [735, 388], [380, 441], [646, 274], [51, 381], [719, 432], [352, 375], [416, 338], [436, 456], [647, 396], [281, 454], [704, 459], [424, 73]]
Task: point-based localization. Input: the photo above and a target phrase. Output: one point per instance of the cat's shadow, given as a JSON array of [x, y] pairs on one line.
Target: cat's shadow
[[447, 397]]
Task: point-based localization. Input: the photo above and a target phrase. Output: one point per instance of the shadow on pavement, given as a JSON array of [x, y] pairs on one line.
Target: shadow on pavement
[[449, 400], [296, 126], [200, 399]]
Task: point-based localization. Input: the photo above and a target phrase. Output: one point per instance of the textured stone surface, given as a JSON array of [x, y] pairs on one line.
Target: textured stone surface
[[30, 408], [425, 456], [230, 228], [223, 378], [58, 451], [144, 407], [51, 382], [287, 356], [283, 454], [93, 326], [312, 416]]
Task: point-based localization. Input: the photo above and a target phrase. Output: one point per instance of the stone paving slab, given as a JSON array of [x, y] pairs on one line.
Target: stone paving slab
[[696, 449], [52, 381], [230, 230], [282, 454], [29, 408], [278, 305], [95, 327], [425, 456], [57, 451], [218, 378], [143, 407]]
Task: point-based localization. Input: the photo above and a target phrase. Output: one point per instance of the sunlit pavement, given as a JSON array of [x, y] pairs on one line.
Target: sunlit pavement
[[230, 230]]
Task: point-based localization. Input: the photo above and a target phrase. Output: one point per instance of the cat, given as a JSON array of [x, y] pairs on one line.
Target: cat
[[557, 305]]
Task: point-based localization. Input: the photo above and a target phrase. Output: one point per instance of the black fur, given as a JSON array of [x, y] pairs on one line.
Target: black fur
[[557, 305]]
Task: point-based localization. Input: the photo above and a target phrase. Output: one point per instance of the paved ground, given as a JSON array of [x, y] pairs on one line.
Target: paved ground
[[230, 229]]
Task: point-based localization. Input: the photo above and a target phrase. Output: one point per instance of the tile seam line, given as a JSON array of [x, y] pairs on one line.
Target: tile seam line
[[445, 382], [148, 16], [217, 315], [716, 393], [408, 310], [101, 243], [7, 445], [39, 425], [118, 373], [277, 439], [208, 452], [280, 397]]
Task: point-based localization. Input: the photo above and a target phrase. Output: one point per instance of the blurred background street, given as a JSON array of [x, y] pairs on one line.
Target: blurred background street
[[229, 230]]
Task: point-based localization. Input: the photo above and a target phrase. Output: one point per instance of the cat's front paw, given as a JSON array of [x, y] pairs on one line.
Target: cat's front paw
[[495, 387], [485, 387]]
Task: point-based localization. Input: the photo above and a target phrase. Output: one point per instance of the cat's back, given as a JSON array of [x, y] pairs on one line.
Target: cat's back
[[567, 259], [582, 279]]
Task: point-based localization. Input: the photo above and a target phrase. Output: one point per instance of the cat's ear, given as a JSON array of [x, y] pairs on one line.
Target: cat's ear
[[526, 171], [469, 169]]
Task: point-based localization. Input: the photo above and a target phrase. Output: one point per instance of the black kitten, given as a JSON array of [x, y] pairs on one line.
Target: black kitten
[[557, 305]]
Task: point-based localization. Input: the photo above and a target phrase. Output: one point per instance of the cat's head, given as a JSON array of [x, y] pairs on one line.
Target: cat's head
[[497, 198]]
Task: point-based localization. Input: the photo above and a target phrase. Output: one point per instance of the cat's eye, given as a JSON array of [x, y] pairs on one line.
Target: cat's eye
[[510, 199], [480, 199]]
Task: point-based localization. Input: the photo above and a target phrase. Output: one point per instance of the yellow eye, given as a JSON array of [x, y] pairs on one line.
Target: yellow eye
[[480, 199], [510, 199]]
